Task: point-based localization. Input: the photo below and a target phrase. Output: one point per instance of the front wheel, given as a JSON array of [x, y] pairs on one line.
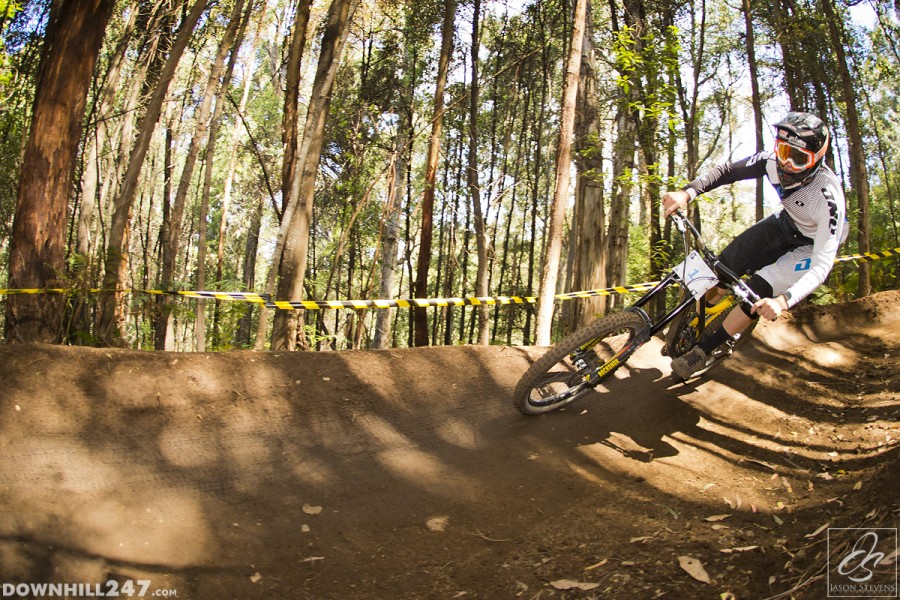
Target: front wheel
[[575, 365]]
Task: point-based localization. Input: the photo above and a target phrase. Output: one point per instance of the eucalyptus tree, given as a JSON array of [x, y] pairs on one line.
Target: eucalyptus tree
[[481, 279], [587, 246], [755, 97], [72, 43], [425, 241], [393, 74], [240, 23], [204, 122], [561, 191], [880, 80], [111, 308], [293, 246], [289, 135], [856, 149]]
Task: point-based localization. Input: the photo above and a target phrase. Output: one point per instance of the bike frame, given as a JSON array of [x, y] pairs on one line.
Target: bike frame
[[734, 283]]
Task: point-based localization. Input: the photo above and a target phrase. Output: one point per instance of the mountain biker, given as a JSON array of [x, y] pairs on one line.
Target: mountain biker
[[789, 253]]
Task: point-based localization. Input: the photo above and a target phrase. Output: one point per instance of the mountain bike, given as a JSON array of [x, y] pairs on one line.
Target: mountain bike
[[589, 356]]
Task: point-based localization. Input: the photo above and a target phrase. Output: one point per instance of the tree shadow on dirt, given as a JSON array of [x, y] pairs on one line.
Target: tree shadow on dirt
[[402, 473]]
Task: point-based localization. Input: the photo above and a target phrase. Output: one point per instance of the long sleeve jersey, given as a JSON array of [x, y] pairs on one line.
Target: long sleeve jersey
[[817, 208]]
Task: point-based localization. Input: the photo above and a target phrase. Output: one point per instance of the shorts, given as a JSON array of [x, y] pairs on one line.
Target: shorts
[[774, 249]]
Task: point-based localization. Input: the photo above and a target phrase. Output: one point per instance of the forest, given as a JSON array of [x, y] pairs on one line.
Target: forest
[[298, 162]]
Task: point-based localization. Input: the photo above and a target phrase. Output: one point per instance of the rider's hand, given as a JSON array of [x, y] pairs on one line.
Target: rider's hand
[[770, 308], [675, 200]]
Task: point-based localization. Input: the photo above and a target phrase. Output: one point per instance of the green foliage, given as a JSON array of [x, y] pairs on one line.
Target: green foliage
[[385, 86], [638, 255], [646, 62]]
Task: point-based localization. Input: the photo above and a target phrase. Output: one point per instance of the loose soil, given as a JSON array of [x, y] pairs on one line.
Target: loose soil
[[408, 473]]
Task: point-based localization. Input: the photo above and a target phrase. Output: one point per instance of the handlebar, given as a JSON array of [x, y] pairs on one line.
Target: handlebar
[[738, 285]]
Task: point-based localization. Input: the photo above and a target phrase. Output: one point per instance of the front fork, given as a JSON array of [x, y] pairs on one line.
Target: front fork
[[594, 376]]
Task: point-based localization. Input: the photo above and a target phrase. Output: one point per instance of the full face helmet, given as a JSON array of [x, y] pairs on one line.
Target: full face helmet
[[801, 141]]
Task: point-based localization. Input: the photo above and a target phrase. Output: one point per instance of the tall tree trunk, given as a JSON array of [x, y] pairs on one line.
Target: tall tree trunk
[[617, 235], [290, 120], [522, 90], [790, 52], [550, 270], [755, 99], [111, 316], [95, 143], [173, 233], [856, 149], [37, 244], [248, 277], [96, 139], [481, 239], [691, 107], [398, 191], [537, 168], [293, 244], [228, 185], [391, 243], [431, 165], [239, 23]]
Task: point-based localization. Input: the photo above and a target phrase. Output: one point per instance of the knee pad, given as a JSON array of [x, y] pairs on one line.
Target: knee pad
[[762, 288]]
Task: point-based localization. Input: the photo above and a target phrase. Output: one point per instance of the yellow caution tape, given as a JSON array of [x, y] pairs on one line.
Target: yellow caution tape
[[401, 302], [267, 300], [869, 256]]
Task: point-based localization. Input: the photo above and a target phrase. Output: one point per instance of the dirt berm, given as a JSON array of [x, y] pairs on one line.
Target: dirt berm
[[409, 474]]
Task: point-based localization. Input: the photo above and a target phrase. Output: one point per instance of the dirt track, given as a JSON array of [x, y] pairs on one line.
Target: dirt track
[[408, 474]]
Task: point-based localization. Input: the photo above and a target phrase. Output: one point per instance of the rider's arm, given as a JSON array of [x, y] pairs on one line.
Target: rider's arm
[[827, 240], [751, 167]]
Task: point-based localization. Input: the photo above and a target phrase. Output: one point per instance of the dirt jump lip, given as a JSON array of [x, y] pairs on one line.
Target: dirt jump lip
[[408, 474]]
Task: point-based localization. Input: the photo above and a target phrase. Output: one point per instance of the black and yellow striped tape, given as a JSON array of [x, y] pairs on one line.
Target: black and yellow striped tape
[[400, 302], [619, 289], [869, 256], [240, 296], [267, 300]]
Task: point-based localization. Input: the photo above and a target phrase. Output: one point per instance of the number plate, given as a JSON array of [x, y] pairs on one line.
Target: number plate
[[696, 274]]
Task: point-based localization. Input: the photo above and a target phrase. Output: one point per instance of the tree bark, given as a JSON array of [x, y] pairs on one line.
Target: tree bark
[[481, 240], [550, 270], [617, 234], [858, 172], [242, 336], [290, 120], [173, 234], [755, 99], [37, 244], [391, 244], [424, 261], [239, 23], [293, 245], [111, 315]]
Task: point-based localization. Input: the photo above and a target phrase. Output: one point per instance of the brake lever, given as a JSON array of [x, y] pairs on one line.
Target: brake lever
[[678, 219], [745, 293]]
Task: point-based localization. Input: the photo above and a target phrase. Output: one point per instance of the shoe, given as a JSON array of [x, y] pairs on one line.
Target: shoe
[[689, 363]]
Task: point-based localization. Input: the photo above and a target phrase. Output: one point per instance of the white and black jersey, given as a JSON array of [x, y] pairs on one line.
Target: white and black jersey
[[817, 209]]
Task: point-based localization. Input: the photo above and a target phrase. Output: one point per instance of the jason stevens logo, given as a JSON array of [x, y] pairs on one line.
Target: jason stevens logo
[[862, 563]]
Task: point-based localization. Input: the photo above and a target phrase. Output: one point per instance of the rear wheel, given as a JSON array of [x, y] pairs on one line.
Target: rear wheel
[[571, 368]]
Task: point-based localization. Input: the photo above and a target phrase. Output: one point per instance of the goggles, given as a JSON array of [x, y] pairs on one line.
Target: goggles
[[796, 160]]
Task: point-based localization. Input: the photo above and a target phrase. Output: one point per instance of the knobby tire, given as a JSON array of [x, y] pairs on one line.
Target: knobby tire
[[554, 381]]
